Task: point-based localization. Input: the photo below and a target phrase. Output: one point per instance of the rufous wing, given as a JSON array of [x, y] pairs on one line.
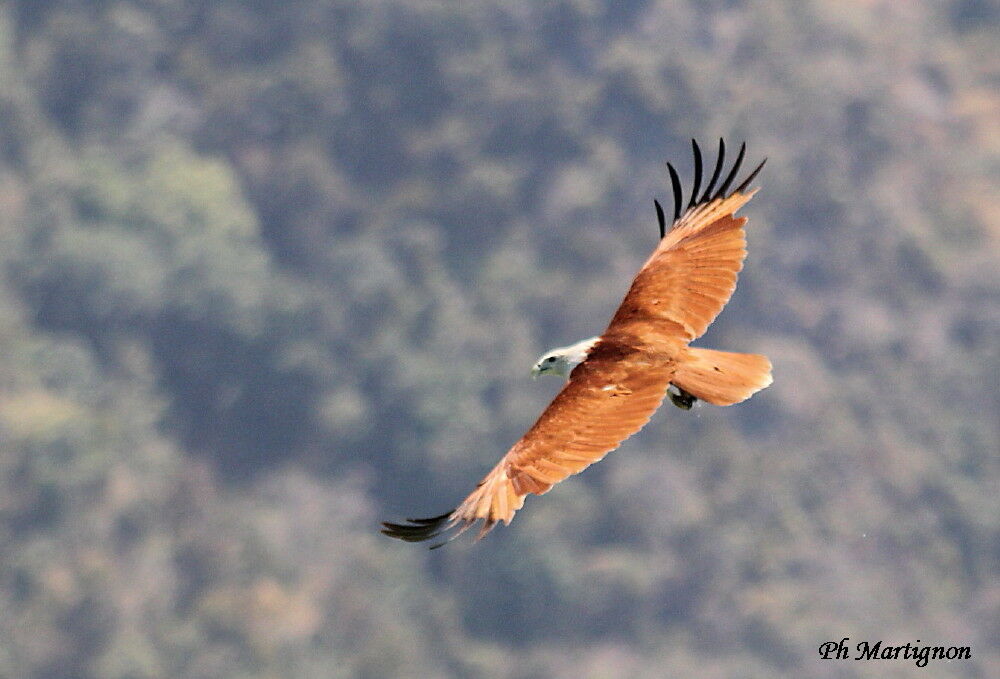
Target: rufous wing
[[609, 397], [689, 277]]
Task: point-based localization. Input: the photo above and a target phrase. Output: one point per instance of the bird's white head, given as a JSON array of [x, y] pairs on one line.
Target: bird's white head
[[561, 360]]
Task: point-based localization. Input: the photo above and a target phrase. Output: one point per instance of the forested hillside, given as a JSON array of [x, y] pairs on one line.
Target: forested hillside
[[271, 272]]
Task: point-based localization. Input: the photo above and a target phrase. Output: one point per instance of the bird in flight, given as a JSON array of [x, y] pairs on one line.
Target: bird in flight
[[618, 379]]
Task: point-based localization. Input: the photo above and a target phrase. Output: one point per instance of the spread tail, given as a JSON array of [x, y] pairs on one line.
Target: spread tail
[[722, 378]]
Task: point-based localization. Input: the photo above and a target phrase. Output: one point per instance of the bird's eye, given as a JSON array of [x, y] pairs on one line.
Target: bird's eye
[[550, 359]]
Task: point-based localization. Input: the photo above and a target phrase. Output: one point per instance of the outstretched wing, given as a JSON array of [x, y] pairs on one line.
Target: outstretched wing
[[609, 397], [692, 272], [613, 393]]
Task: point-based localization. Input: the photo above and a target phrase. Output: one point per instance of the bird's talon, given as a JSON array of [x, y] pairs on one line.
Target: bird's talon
[[681, 398]]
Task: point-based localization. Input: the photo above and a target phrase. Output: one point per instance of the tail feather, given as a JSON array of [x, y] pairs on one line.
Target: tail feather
[[722, 378]]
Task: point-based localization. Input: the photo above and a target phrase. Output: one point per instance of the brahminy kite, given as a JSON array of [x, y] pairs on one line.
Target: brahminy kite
[[618, 379]]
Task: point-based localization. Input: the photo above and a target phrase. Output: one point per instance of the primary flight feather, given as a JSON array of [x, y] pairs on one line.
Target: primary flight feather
[[621, 377]]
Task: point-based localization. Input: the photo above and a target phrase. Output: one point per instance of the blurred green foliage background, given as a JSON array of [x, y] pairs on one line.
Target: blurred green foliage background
[[273, 271]]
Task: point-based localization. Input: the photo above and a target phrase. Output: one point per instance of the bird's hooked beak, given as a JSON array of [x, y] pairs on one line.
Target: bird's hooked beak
[[535, 372]]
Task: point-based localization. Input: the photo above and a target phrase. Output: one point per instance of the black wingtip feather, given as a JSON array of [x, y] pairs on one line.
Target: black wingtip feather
[[432, 520], [418, 530], [675, 182], [711, 192], [721, 193], [696, 184], [715, 173], [753, 175]]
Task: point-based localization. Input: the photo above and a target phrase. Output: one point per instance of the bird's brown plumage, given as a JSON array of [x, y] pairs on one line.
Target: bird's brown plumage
[[612, 394]]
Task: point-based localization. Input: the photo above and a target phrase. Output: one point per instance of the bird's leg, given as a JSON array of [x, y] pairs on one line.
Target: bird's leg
[[681, 398]]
